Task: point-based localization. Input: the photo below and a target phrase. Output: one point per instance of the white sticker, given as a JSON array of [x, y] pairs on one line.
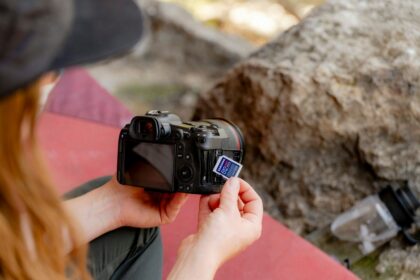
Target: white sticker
[[227, 167]]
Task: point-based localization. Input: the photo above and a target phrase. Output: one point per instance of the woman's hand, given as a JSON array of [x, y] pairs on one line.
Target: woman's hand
[[227, 224], [137, 207], [114, 205]]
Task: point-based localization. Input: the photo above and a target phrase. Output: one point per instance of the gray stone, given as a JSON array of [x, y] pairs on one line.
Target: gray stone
[[398, 263], [330, 109], [185, 44]]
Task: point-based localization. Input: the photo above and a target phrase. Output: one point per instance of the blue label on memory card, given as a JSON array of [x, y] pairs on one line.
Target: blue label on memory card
[[227, 167]]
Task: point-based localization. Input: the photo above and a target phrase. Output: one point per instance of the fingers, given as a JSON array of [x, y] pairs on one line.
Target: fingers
[[229, 195], [178, 199], [174, 203], [214, 201], [204, 204], [240, 205], [253, 207]]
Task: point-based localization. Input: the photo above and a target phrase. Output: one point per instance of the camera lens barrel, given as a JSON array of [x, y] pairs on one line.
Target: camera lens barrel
[[235, 137]]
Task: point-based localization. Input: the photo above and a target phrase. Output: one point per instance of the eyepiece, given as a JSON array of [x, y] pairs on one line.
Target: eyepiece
[[144, 128]]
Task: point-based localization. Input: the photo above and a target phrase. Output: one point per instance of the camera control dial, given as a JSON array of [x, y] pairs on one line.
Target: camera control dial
[[185, 173]]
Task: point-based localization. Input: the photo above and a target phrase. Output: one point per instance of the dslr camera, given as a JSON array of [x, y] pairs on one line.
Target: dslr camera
[[158, 151]]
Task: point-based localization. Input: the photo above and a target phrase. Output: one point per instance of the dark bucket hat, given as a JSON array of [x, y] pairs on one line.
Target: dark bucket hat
[[37, 36]]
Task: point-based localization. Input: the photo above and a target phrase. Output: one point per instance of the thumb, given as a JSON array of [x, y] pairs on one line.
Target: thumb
[[229, 194]]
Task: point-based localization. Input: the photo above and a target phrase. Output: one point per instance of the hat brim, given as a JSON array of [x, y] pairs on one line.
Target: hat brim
[[100, 29]]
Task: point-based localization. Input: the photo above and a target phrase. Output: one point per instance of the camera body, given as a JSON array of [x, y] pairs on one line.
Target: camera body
[[159, 152]]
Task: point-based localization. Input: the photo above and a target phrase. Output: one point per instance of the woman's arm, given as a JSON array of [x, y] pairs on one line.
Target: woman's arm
[[194, 262], [114, 205], [95, 212]]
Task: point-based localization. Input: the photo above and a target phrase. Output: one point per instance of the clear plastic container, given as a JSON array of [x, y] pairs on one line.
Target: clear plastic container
[[368, 223]]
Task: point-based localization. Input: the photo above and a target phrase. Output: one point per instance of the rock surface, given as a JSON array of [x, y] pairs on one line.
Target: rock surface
[[395, 263], [330, 111], [187, 45]]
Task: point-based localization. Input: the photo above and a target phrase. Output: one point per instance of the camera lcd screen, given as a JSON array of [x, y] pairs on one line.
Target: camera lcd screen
[[150, 165]]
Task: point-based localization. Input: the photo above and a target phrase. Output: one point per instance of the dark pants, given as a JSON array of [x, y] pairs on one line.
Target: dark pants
[[125, 253]]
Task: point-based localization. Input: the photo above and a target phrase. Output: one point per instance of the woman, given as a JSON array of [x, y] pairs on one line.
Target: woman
[[45, 238]]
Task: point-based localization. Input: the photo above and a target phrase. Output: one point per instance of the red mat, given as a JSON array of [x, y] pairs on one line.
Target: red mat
[[79, 150], [78, 95]]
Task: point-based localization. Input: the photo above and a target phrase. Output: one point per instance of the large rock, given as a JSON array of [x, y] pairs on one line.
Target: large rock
[[186, 45], [330, 109]]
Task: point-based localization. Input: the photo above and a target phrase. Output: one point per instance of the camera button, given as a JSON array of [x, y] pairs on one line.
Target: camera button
[[185, 173], [179, 156], [202, 139], [187, 157], [181, 187], [178, 135], [180, 147], [188, 188]]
